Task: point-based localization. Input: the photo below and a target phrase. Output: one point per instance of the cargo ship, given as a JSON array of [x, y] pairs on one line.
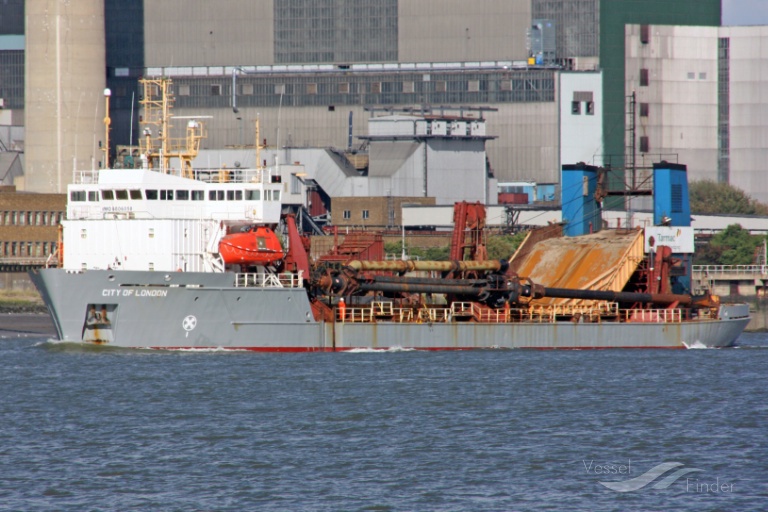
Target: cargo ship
[[185, 258]]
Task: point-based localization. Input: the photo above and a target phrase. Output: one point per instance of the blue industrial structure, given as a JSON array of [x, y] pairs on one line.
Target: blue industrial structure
[[581, 213], [670, 195]]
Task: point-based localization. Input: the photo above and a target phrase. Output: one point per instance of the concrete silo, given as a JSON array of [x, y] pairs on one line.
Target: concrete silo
[[65, 82]]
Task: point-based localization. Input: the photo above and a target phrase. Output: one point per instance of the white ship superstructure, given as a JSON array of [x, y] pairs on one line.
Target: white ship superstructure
[[139, 219]]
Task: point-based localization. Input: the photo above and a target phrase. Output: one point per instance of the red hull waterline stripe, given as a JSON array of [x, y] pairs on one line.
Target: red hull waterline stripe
[[432, 349]]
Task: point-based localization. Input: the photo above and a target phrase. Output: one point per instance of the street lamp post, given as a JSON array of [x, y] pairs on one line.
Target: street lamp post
[[107, 122]]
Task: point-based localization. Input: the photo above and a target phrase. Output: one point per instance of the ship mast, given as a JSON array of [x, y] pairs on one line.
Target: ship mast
[[156, 144]]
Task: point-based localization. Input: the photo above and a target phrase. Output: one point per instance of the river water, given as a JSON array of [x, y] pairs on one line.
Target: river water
[[491, 430]]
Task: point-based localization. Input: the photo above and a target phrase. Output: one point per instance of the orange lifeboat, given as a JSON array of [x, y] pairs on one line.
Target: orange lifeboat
[[258, 245]]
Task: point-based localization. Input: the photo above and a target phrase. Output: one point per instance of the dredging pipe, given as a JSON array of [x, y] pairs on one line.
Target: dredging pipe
[[441, 266], [646, 298]]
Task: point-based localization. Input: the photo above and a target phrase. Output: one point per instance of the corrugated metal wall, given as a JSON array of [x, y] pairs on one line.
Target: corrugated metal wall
[[461, 31], [205, 33]]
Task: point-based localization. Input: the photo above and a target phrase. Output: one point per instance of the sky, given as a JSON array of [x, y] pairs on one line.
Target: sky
[[745, 12]]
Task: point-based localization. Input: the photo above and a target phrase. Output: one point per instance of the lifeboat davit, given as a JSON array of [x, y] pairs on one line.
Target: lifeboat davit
[[258, 245]]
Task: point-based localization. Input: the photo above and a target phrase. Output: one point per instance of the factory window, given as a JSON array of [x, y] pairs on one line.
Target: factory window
[[375, 87], [644, 77], [473, 85], [576, 108], [644, 144], [407, 87], [311, 88], [151, 232], [440, 86], [347, 214], [216, 90], [645, 34], [366, 214], [331, 108], [83, 233], [343, 88], [246, 89], [691, 75], [590, 108], [280, 89], [644, 109], [702, 76], [183, 90]]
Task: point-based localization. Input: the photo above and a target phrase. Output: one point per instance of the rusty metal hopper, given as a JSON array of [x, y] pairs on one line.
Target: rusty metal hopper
[[599, 261]]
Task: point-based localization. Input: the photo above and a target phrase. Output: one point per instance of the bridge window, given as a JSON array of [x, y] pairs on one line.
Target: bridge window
[[230, 195], [198, 195], [166, 195], [276, 195], [121, 195], [238, 195], [182, 195], [151, 195], [77, 195], [254, 195], [135, 194], [93, 195], [107, 195]]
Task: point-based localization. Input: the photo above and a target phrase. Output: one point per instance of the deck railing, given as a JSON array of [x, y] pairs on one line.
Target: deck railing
[[710, 270], [466, 311], [265, 280]]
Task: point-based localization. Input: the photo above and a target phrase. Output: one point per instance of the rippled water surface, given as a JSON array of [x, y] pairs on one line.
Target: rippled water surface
[[105, 429]]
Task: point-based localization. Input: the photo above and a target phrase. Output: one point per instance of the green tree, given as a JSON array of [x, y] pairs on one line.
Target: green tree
[[503, 246], [709, 197], [732, 246]]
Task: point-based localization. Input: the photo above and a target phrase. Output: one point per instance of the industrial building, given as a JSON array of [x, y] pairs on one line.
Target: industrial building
[[700, 100], [557, 74]]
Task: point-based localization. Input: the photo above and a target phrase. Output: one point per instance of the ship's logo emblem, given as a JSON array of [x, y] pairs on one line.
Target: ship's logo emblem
[[189, 323], [650, 476]]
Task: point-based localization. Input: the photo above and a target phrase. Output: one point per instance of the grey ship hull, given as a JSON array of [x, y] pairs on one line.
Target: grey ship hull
[[205, 310]]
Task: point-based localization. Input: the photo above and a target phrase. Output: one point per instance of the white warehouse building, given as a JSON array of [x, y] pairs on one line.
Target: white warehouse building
[[701, 100]]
